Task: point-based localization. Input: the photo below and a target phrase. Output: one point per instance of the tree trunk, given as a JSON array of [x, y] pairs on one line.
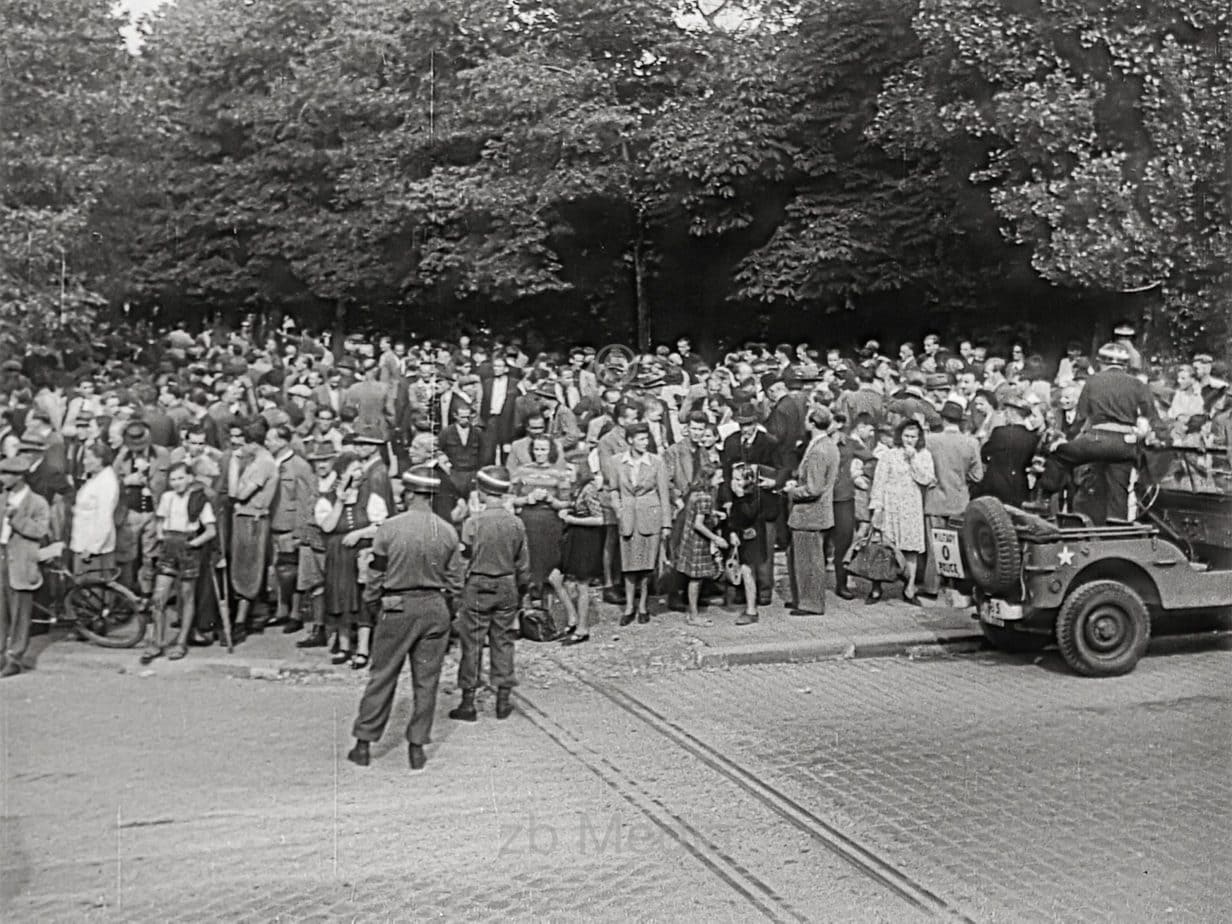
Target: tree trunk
[[639, 285], [339, 334]]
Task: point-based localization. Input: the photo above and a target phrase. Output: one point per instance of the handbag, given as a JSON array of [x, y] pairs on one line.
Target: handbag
[[874, 559], [541, 623]]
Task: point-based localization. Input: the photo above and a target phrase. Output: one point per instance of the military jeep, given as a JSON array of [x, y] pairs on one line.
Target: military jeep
[[1098, 590]]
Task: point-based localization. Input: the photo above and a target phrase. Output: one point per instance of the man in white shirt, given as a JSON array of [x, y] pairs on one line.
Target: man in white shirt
[[93, 537]]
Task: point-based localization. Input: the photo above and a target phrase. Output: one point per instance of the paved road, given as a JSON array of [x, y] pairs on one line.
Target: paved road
[[1012, 788], [1005, 788]]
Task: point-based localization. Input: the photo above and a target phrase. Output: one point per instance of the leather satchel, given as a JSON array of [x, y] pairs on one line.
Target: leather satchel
[[874, 559]]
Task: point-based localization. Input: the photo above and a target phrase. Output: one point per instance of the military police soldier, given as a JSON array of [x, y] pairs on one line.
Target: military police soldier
[[415, 566], [1111, 405], [497, 574]]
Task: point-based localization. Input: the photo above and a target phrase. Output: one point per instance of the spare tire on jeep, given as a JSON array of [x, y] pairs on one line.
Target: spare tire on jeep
[[990, 544]]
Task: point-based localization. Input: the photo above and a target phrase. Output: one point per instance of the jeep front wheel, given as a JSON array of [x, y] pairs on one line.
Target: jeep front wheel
[[1102, 629]]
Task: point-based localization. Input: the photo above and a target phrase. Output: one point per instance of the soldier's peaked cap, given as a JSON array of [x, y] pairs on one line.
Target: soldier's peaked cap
[[422, 479], [494, 479]]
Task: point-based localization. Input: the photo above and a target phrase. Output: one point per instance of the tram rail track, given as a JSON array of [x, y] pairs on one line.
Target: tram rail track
[[861, 858]]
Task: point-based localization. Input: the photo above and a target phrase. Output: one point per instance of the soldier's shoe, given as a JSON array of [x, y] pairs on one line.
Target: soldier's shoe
[[292, 626], [359, 754], [415, 754], [504, 708], [465, 710]]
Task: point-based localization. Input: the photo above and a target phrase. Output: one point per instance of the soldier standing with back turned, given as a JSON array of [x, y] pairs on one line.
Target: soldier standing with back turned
[[496, 577], [415, 564]]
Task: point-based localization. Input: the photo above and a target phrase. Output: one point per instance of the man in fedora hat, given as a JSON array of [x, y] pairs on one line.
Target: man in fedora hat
[[415, 567], [25, 523], [562, 422], [310, 539], [142, 469], [752, 445], [498, 571], [1008, 452], [959, 468]]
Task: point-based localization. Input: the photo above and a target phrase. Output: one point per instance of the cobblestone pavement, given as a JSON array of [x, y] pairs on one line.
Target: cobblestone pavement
[[1012, 788], [142, 798]]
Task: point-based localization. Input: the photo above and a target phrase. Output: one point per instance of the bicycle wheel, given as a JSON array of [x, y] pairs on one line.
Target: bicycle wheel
[[107, 613]]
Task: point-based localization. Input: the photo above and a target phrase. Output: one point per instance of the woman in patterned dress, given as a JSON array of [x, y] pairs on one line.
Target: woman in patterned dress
[[897, 497], [582, 553], [701, 536]]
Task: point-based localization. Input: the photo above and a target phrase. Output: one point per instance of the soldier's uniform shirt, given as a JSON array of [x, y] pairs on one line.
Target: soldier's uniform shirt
[[420, 551], [497, 543], [1114, 396]]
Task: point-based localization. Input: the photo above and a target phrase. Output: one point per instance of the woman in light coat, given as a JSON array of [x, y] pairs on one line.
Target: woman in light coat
[[644, 515]]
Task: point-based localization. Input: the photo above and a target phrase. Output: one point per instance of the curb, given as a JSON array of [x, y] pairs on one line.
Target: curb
[[913, 644], [238, 669]]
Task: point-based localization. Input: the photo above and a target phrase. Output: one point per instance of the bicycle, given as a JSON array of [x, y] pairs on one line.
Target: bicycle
[[95, 604]]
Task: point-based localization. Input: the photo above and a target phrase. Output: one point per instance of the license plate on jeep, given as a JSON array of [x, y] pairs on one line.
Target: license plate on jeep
[[998, 612]]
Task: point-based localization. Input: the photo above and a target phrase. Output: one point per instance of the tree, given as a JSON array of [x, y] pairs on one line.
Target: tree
[[65, 111], [1100, 132]]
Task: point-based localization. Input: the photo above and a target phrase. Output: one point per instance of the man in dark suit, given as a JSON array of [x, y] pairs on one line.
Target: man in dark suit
[[463, 444], [752, 445], [786, 424], [1007, 455], [496, 412]]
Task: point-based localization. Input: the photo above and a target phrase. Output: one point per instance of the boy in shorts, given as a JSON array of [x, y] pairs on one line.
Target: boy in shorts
[[184, 524]]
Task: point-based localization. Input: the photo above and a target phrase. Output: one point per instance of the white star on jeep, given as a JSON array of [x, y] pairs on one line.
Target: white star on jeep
[[1065, 556]]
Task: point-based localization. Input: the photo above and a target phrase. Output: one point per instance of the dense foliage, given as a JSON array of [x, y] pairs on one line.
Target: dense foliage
[[588, 166]]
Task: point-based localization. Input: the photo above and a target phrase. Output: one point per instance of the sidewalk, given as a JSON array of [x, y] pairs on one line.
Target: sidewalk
[[849, 629]]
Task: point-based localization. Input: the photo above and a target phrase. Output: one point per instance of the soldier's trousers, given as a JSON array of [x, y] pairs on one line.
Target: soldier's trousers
[[412, 625], [489, 610], [1112, 463]]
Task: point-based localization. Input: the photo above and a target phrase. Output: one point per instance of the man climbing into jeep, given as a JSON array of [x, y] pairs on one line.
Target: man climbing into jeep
[[1117, 412]]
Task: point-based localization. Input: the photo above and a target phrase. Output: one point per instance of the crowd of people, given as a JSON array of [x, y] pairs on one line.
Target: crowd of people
[[222, 473]]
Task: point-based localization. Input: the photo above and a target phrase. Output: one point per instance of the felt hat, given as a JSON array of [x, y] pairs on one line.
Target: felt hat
[[421, 479], [368, 434], [321, 452], [952, 411], [33, 441], [747, 413], [547, 390], [494, 479], [1015, 400], [937, 380], [11, 365], [17, 465]]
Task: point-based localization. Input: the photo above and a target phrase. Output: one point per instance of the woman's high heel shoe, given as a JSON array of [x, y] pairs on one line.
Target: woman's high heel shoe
[[873, 596], [626, 619]]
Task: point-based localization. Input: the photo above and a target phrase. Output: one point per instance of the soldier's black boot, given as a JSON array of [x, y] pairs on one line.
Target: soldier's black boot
[[504, 708], [465, 710], [415, 753], [359, 754]]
